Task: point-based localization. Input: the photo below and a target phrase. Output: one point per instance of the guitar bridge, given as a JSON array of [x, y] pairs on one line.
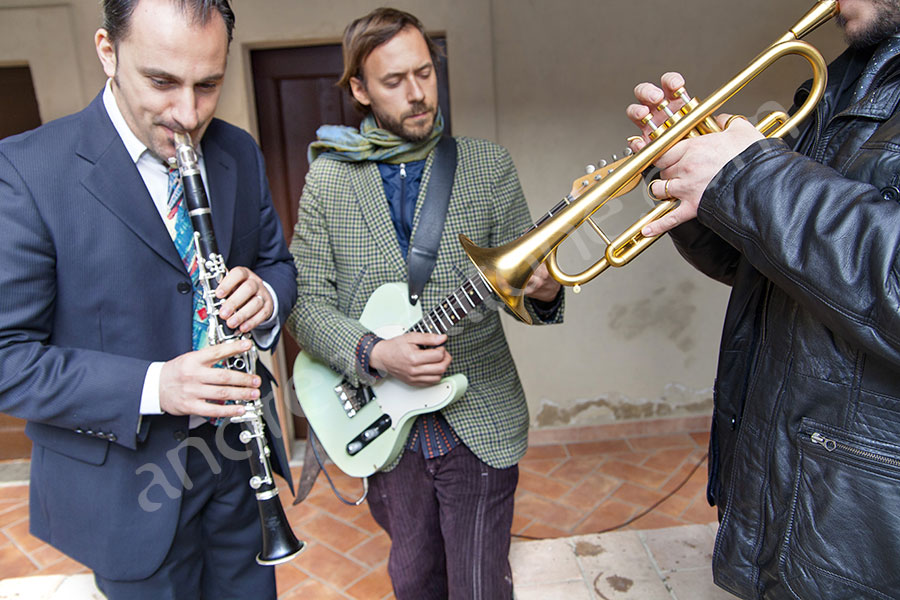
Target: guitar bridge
[[353, 398]]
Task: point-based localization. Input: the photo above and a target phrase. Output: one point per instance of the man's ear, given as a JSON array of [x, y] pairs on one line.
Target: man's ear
[[106, 51], [358, 89]]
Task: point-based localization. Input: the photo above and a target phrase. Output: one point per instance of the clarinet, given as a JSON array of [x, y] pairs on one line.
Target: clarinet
[[279, 542]]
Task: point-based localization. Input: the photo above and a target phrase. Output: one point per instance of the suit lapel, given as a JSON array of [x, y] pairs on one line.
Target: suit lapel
[[221, 173], [369, 190], [114, 181]]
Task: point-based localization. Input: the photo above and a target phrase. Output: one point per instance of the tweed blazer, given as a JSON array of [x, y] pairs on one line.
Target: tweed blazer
[[345, 246]]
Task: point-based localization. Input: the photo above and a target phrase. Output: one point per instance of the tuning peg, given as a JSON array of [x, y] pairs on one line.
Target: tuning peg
[[590, 169], [628, 152], [602, 164]]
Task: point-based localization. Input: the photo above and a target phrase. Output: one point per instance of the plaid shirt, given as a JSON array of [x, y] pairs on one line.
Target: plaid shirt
[[345, 246]]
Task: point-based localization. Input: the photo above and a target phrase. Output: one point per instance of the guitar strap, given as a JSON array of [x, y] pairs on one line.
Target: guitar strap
[[423, 249]]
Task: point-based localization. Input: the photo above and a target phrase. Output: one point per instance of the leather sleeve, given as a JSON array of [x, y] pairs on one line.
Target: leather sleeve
[[830, 242]]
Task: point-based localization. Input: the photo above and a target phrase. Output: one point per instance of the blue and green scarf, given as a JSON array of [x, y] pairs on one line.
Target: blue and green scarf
[[369, 142]]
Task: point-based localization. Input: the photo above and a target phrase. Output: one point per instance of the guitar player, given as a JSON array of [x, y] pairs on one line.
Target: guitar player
[[447, 501]]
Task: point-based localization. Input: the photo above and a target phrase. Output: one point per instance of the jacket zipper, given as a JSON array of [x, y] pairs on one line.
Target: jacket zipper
[[832, 445], [402, 183]]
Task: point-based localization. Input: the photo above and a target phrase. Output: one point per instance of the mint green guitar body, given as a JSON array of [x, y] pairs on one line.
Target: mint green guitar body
[[388, 314]]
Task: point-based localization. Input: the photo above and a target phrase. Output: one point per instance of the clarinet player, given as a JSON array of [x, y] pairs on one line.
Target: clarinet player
[[102, 343]]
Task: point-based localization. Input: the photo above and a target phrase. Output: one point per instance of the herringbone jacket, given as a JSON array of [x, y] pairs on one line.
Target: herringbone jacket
[[345, 246]]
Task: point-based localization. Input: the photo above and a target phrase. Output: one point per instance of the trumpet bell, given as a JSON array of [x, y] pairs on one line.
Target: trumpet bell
[[505, 273]]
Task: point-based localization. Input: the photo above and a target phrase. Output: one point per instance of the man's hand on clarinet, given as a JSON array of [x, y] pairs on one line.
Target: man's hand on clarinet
[[190, 384], [247, 301], [689, 166]]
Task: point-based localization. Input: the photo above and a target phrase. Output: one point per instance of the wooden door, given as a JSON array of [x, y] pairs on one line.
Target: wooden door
[[18, 113], [295, 93]]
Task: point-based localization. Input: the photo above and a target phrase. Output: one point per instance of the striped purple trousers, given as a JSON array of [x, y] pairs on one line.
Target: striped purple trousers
[[449, 520]]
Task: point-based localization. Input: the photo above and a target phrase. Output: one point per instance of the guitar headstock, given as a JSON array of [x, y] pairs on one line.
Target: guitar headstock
[[596, 172]]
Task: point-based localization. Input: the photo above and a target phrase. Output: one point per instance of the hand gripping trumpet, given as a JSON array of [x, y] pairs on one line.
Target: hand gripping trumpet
[[508, 268], [279, 542]]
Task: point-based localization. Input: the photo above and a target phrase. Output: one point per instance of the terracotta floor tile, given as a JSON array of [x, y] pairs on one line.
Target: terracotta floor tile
[[313, 590], [635, 473], [655, 520], [595, 489], [301, 512], [520, 522], [366, 522], [548, 512], [565, 489], [327, 565], [668, 460], [375, 585], [601, 447], [374, 551], [543, 532], [46, 556], [655, 442], [287, 576], [545, 451], [542, 486], [610, 514], [337, 534], [541, 466], [700, 512], [334, 507], [13, 513], [637, 495], [701, 438], [66, 566], [691, 484], [15, 564], [575, 469], [18, 533], [634, 458], [14, 492]]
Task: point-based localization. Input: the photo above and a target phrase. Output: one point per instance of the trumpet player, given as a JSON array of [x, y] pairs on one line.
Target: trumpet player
[[101, 343], [804, 457]]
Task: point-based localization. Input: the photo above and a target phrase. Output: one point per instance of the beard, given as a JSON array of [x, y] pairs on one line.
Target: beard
[[884, 25], [398, 126]]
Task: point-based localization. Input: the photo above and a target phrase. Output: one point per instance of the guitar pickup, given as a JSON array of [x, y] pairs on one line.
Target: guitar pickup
[[382, 424], [352, 398]]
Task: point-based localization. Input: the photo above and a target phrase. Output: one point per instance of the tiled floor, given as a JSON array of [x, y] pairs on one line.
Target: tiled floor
[[565, 490]]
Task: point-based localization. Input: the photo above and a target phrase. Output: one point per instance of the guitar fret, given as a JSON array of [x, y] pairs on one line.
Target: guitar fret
[[450, 306], [459, 302], [466, 296], [441, 328], [449, 319]]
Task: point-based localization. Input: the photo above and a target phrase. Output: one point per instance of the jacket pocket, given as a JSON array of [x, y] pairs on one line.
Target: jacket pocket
[[843, 536]]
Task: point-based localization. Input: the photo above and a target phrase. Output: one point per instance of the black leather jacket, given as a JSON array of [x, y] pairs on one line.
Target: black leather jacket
[[805, 451]]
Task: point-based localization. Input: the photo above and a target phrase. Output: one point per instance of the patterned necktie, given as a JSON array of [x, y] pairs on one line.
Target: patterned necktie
[[179, 225], [886, 50]]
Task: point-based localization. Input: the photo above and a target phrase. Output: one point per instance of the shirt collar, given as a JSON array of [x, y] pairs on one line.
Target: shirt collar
[[133, 145]]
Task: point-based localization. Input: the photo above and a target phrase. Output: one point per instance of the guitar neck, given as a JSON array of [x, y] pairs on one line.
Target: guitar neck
[[454, 308]]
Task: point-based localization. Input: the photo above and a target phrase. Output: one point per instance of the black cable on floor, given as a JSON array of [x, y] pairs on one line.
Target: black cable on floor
[[650, 509]]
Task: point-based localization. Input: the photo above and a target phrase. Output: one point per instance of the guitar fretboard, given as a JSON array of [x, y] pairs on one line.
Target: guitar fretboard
[[454, 308]]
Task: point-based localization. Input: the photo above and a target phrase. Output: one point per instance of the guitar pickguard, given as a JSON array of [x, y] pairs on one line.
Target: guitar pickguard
[[339, 416]]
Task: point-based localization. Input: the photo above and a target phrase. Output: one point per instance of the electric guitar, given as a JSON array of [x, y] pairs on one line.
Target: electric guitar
[[365, 428]]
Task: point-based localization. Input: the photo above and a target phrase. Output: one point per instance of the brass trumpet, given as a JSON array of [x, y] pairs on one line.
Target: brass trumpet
[[508, 268]]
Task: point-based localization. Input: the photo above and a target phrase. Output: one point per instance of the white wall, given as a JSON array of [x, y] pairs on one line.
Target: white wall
[[549, 79]]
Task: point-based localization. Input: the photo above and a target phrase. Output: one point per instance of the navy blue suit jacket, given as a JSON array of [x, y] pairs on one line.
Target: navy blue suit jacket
[[91, 291]]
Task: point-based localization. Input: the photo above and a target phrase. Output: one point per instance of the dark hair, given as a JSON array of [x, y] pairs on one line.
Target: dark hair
[[366, 33], [117, 14]]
